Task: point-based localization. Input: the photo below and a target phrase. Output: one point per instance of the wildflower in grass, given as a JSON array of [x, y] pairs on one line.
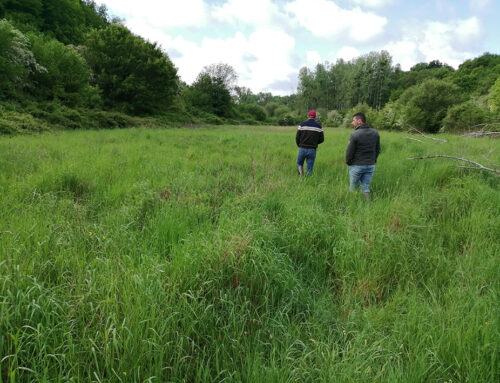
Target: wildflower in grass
[[124, 373]]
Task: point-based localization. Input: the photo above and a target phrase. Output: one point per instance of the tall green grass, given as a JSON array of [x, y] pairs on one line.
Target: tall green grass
[[198, 255]]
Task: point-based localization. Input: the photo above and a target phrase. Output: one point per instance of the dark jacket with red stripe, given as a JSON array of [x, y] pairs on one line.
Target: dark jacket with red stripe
[[309, 134]]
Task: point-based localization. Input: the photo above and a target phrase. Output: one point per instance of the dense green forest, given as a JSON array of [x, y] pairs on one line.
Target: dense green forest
[[68, 64]]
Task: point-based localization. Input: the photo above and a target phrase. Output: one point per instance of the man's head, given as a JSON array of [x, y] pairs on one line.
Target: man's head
[[358, 119], [311, 115]]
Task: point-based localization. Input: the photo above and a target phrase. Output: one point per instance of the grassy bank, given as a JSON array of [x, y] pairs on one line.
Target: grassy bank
[[197, 255]]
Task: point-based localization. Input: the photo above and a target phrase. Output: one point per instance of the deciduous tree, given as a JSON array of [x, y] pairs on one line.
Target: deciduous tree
[[134, 75]]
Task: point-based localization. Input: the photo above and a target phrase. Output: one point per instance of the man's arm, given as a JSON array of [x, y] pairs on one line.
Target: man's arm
[[297, 137], [351, 149], [321, 136], [377, 148]]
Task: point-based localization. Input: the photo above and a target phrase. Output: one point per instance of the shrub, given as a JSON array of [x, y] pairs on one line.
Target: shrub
[[12, 122], [17, 62], [256, 111], [271, 108], [425, 105], [67, 75], [281, 111], [389, 117], [371, 115], [334, 118], [462, 116], [210, 95], [494, 100], [289, 120]]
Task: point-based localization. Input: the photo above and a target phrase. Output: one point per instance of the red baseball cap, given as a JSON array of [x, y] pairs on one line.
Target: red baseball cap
[[312, 113]]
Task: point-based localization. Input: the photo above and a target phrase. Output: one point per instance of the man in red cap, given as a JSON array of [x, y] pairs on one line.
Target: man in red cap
[[309, 136]]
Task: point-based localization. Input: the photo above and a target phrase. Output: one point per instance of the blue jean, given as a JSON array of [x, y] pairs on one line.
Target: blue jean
[[308, 155], [361, 174]]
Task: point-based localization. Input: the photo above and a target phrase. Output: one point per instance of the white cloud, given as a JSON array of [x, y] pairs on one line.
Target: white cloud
[[167, 14], [262, 34], [451, 43], [347, 53], [255, 12], [375, 3], [479, 4], [273, 52], [261, 59], [325, 19], [404, 52], [313, 58]]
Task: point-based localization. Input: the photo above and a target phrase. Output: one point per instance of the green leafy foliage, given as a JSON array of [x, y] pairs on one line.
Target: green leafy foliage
[[14, 122], [370, 113], [418, 74], [270, 108], [134, 75], [210, 94], [65, 20], [463, 117], [256, 111], [67, 75], [342, 85], [425, 105], [334, 118], [289, 119], [123, 72], [494, 101], [17, 61], [27, 13], [476, 76]]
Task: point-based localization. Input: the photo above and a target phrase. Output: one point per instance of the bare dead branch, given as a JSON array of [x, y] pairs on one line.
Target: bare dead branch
[[492, 118], [486, 124], [477, 165], [413, 139], [480, 133], [430, 138]]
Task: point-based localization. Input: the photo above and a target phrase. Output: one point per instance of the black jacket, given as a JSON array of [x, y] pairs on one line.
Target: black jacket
[[363, 147], [309, 134]]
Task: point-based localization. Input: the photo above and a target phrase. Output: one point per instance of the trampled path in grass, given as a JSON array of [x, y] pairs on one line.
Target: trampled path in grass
[[198, 255]]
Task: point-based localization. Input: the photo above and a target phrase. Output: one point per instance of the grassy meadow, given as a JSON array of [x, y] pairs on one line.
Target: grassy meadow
[[198, 255]]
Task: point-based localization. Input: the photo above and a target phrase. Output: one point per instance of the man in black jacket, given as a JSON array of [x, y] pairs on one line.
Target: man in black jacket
[[309, 136], [361, 154]]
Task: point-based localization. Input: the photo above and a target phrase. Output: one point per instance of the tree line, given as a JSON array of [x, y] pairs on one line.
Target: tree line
[[68, 62], [430, 96]]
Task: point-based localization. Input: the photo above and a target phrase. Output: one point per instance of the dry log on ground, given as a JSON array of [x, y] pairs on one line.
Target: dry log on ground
[[480, 133], [430, 138], [477, 165]]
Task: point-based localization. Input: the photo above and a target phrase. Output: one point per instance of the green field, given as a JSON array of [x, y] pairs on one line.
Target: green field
[[198, 255]]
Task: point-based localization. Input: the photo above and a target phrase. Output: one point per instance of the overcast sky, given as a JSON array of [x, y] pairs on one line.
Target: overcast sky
[[268, 41]]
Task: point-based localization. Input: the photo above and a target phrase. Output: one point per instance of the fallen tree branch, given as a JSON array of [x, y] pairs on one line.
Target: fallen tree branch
[[486, 124], [480, 133], [413, 139], [477, 166], [430, 138]]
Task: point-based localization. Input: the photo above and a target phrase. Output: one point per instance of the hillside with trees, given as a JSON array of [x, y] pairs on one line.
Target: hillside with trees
[[68, 64]]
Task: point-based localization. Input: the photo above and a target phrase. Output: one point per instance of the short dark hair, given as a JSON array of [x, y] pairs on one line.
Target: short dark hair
[[361, 116]]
